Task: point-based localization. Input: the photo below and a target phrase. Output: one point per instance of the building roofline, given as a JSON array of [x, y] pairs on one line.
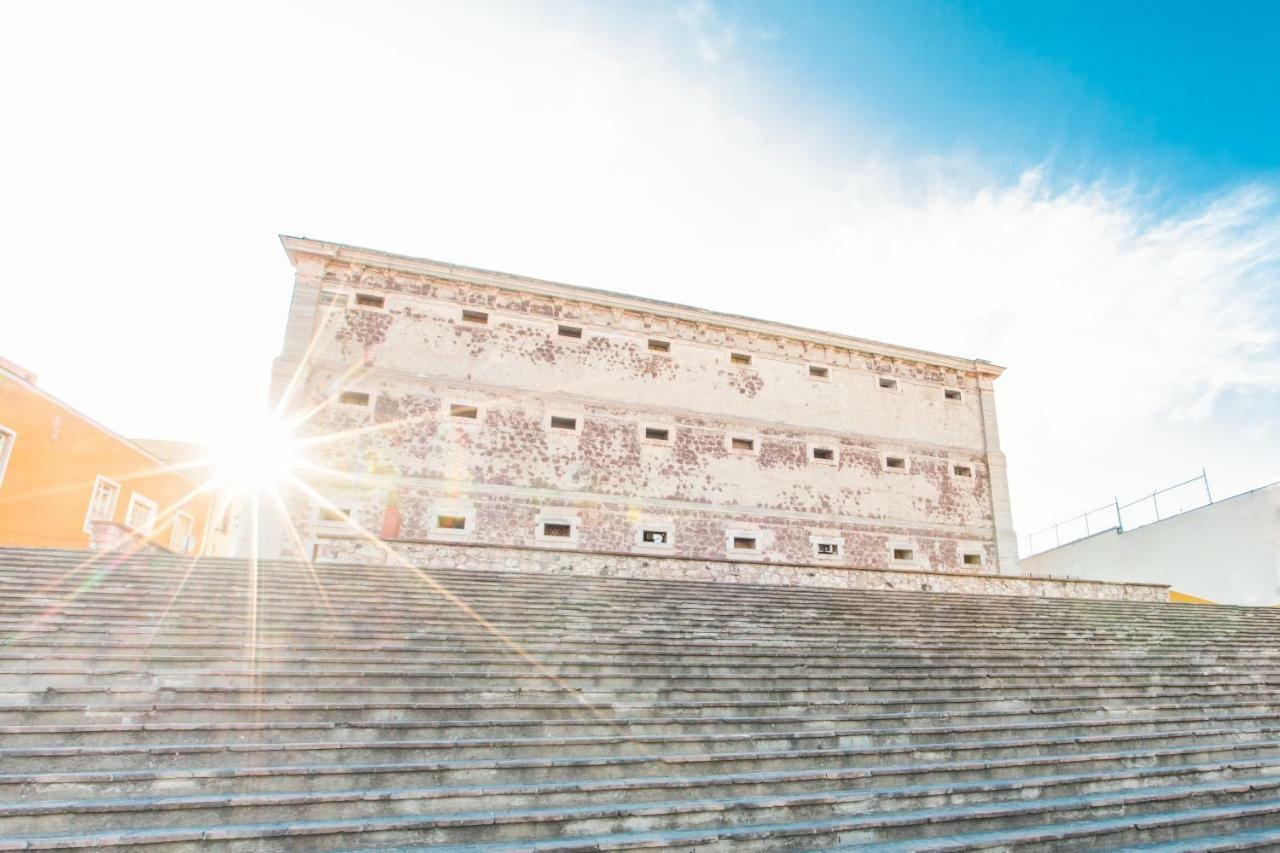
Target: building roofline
[[30, 386], [297, 246]]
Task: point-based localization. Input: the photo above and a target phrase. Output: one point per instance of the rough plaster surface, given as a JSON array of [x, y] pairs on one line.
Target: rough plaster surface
[[428, 556], [507, 469]]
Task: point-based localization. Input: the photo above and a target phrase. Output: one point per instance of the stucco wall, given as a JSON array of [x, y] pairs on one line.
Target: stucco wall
[[1227, 552], [57, 456], [415, 355]]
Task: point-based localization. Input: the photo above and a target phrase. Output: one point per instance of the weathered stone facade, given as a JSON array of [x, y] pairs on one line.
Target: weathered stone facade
[[469, 406]]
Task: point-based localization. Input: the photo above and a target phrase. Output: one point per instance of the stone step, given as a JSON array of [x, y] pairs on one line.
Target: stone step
[[959, 725], [504, 612], [548, 690], [145, 702], [50, 640], [913, 767], [247, 677], [785, 822], [221, 605], [299, 711], [878, 746], [797, 789], [330, 659]]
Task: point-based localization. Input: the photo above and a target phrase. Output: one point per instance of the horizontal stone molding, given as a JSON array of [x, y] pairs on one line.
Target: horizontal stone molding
[[543, 560]]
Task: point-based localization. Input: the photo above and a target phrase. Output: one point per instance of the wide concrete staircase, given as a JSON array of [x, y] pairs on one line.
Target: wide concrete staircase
[[157, 703]]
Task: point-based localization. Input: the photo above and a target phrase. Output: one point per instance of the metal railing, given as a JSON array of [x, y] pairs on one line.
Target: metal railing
[[1117, 516]]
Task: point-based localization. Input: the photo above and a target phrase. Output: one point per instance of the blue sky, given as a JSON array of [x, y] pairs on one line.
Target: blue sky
[[1181, 94], [1085, 193]]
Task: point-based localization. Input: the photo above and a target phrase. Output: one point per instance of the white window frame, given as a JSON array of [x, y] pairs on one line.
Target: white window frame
[[657, 442], [743, 553], [11, 438], [952, 465], [901, 544], [354, 301], [967, 551], [320, 523], [751, 437], [906, 462], [570, 541], [665, 525], [895, 388], [337, 305], [560, 432], [115, 502], [448, 417], [368, 405], [809, 374], [948, 390], [138, 499], [450, 534], [182, 547], [815, 540], [834, 461], [570, 340]]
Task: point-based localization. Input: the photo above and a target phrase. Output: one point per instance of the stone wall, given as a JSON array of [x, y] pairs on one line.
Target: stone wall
[[867, 448], [429, 555]]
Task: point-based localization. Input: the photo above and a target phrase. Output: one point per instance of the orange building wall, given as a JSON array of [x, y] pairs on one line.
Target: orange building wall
[[56, 457]]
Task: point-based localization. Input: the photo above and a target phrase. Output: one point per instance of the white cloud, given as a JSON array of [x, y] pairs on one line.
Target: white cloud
[[161, 150]]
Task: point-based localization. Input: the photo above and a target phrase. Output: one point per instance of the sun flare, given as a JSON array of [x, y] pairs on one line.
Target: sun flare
[[256, 455]]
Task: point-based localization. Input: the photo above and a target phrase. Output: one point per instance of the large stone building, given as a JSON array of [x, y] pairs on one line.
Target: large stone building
[[477, 407]]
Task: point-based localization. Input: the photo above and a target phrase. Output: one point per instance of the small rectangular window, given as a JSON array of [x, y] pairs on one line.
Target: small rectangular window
[[962, 471], [828, 549], [951, 394], [332, 299], [973, 559], [739, 358], [824, 453], [563, 531], [451, 522], [334, 516], [569, 332], [818, 372], [475, 317], [895, 462], [354, 398], [368, 300], [743, 444], [656, 537], [744, 543], [659, 346], [657, 434], [903, 555], [886, 382], [558, 422], [461, 410]]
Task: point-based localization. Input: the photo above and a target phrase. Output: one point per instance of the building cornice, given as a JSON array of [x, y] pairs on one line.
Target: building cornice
[[298, 247]]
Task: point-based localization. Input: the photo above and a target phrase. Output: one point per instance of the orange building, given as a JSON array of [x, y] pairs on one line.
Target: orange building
[[61, 471]]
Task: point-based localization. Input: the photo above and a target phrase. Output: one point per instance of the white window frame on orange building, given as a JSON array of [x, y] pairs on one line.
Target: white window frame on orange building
[[9, 438], [138, 499], [89, 517], [183, 545]]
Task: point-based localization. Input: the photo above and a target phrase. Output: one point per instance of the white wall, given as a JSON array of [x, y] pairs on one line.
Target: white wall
[[1227, 552]]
